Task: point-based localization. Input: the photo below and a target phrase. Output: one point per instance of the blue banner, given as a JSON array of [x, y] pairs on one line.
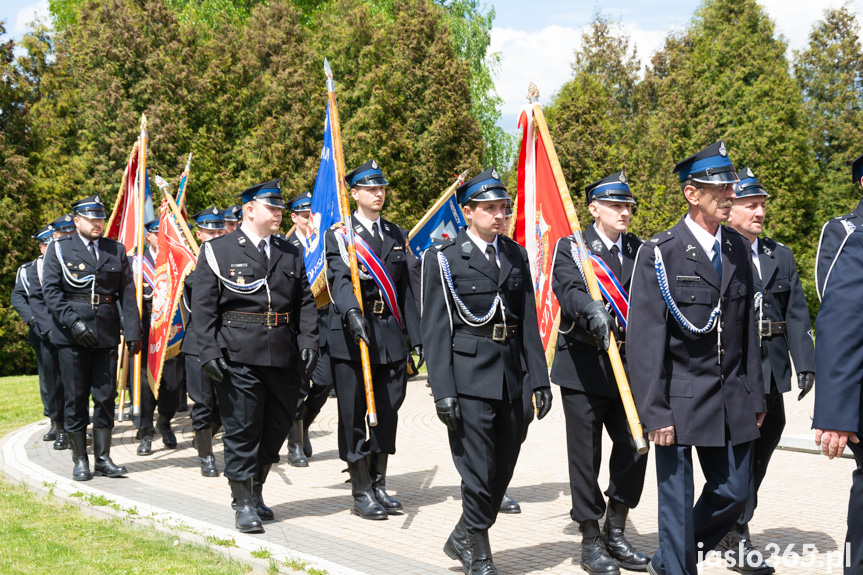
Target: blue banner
[[325, 208], [444, 223]]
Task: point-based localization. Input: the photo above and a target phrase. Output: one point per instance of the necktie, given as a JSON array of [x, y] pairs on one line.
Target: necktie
[[262, 246], [377, 243], [755, 269], [492, 258], [618, 261], [716, 260], [91, 247], [376, 233]]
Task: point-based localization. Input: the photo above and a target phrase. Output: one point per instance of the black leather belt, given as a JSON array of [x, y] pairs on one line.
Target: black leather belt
[[376, 306], [497, 331], [269, 319], [95, 299], [770, 328]]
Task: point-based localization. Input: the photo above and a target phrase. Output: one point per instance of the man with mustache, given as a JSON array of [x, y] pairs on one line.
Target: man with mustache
[[696, 371], [85, 277]]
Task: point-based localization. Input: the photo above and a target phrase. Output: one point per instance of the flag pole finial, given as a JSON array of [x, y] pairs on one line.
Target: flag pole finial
[[532, 93], [143, 122], [331, 85]]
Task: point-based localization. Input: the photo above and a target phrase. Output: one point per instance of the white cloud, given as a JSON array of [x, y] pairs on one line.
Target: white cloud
[[794, 18], [28, 14]]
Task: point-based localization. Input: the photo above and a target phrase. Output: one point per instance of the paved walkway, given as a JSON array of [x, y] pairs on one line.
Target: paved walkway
[[802, 507]]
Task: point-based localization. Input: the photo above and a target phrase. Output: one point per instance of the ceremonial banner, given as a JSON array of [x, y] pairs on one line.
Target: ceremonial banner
[[121, 226], [324, 212], [174, 261], [442, 222], [544, 216]]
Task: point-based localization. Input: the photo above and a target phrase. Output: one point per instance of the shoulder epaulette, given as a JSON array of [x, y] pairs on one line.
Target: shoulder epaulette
[[662, 237]]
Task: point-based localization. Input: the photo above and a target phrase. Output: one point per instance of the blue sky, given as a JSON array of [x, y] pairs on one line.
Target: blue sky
[[537, 40]]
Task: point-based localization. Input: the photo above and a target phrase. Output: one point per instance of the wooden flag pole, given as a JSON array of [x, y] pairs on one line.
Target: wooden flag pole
[[345, 210], [436, 206], [592, 285], [175, 209], [139, 278]]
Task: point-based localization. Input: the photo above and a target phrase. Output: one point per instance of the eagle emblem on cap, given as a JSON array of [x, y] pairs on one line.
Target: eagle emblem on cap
[[215, 210], [374, 165], [749, 173], [97, 200], [494, 174], [722, 151], [68, 218], [622, 178]]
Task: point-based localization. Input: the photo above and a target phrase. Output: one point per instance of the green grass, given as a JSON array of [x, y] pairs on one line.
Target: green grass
[[41, 536]]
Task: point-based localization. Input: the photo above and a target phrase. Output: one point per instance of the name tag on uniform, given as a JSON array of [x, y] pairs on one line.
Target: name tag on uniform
[[688, 279], [242, 265]]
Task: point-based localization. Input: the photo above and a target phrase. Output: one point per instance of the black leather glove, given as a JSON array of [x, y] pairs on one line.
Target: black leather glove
[[418, 351], [357, 325], [134, 347], [599, 322], [449, 411], [310, 360], [805, 381], [542, 397], [215, 369], [31, 322], [82, 334]]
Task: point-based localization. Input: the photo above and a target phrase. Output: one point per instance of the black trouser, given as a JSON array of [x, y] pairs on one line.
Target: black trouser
[[854, 537], [527, 404], [88, 373], [390, 386], [586, 414], [173, 373], [257, 404], [771, 433], [485, 449], [50, 381], [205, 410]]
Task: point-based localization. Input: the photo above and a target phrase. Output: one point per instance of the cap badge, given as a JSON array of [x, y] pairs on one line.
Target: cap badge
[[749, 173], [97, 200], [494, 174], [215, 211], [374, 165], [68, 218], [722, 151], [622, 178]]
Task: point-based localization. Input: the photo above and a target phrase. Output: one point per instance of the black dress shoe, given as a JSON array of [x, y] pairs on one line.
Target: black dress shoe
[[163, 426], [456, 547], [62, 441], [740, 553], [51, 434], [480, 561], [594, 557], [146, 445], [509, 505], [623, 553]]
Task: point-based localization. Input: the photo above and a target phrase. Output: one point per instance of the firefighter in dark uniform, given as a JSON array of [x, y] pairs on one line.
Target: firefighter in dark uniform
[[839, 397], [250, 289], [206, 420], [316, 389], [85, 277], [233, 215], [588, 388], [27, 300], [480, 328], [782, 318], [834, 232], [172, 372], [696, 370], [380, 326]]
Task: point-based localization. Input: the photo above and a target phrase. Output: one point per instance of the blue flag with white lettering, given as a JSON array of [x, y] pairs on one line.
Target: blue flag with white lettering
[[324, 213], [443, 223]]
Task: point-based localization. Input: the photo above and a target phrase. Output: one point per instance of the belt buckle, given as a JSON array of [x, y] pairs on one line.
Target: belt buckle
[[272, 319], [769, 324], [498, 332], [378, 307]]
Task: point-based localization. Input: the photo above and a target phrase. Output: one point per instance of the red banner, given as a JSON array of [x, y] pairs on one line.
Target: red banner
[[542, 218], [122, 225], [174, 261]]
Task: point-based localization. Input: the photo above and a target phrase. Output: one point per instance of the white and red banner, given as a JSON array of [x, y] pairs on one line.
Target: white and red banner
[[123, 223], [544, 213], [174, 261]]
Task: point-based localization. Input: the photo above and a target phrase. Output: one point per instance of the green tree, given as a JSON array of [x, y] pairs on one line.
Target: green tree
[[829, 72]]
